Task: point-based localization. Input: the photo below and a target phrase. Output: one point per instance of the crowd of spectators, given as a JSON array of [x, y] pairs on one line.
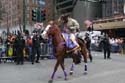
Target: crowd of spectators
[[10, 44], [117, 44]]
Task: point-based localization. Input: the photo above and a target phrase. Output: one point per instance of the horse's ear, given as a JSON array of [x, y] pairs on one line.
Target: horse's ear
[[51, 22]]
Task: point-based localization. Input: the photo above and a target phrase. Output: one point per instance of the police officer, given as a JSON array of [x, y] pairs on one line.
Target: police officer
[[88, 43], [19, 46], [106, 46], [36, 47]]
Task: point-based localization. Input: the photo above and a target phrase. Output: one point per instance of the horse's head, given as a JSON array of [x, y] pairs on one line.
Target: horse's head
[[50, 30], [76, 58]]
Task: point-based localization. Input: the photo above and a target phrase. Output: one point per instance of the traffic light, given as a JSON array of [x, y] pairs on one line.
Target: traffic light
[[39, 15], [43, 15], [34, 14]]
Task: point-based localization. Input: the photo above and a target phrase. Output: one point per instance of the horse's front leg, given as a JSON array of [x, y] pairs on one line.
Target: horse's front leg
[[53, 74], [71, 69], [64, 71]]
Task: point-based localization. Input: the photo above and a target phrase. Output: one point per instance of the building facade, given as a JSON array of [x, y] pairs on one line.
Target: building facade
[[64, 6], [9, 17], [81, 10], [112, 21], [113, 7], [87, 10], [13, 16]]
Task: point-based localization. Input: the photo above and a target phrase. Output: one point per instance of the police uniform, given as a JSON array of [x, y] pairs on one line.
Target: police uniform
[[35, 48], [19, 46], [106, 47]]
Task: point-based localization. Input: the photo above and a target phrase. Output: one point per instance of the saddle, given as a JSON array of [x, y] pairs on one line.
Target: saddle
[[69, 43]]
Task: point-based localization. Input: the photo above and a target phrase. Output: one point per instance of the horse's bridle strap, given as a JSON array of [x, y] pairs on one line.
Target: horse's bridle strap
[[62, 43]]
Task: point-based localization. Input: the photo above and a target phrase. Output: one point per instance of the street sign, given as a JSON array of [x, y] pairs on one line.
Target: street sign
[[38, 25], [41, 3]]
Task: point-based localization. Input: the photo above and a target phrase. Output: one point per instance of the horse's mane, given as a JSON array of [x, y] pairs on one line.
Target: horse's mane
[[56, 25], [55, 30]]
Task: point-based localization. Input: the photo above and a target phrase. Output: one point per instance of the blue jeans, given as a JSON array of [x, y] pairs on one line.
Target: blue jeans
[[29, 52]]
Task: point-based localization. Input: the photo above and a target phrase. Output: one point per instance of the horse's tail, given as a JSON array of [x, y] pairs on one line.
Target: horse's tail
[[80, 41], [84, 50]]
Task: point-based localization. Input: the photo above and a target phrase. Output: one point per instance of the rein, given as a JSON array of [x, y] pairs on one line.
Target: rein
[[62, 43]]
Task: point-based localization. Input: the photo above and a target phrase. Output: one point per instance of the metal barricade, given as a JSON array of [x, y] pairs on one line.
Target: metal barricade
[[46, 51]]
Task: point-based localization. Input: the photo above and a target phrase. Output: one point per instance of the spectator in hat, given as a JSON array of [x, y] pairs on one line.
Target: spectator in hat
[[36, 47], [19, 46]]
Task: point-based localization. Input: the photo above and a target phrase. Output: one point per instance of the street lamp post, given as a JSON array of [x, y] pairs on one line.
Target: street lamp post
[[7, 25], [24, 15], [41, 5], [0, 23]]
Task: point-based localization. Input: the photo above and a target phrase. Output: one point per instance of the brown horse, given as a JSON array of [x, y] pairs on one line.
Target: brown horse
[[59, 48]]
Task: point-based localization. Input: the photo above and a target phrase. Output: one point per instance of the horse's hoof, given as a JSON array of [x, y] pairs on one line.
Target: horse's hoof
[[85, 73], [71, 73], [50, 81]]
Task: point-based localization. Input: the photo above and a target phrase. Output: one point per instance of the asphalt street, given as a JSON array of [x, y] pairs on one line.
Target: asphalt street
[[99, 71]]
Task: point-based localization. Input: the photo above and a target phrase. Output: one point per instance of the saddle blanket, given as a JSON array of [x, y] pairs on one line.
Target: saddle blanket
[[69, 42]]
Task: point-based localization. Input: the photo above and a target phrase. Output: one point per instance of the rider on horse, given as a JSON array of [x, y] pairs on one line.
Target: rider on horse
[[59, 48], [70, 26]]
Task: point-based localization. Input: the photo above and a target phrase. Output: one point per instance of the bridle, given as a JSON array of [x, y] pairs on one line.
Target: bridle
[[44, 34]]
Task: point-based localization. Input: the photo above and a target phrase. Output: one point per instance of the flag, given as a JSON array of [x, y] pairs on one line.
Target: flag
[[38, 25]]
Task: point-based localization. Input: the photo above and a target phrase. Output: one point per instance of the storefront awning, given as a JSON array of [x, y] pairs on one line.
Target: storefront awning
[[109, 25]]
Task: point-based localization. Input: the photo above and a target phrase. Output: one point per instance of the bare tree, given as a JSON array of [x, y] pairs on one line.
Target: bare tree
[[1, 10]]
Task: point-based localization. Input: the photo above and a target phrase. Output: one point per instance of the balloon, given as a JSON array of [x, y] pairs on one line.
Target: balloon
[[88, 23]]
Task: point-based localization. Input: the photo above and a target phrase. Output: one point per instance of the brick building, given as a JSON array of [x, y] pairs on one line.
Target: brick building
[[9, 17], [14, 13]]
